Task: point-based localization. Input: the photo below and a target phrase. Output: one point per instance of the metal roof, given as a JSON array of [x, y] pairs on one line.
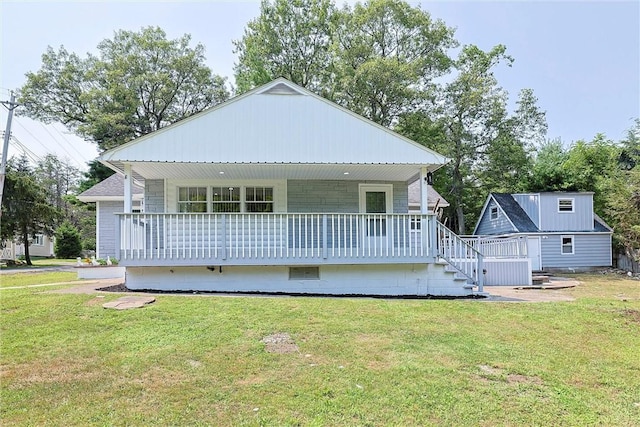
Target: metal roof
[[277, 124]]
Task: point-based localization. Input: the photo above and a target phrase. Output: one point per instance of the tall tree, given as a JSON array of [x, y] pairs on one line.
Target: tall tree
[[138, 83], [290, 38], [60, 178], [387, 57], [25, 208]]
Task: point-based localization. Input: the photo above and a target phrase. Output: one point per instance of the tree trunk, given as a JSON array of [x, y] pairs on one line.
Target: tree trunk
[[25, 238]]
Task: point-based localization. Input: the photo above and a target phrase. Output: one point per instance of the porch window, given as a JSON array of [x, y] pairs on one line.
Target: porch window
[[225, 199], [494, 213], [192, 199], [565, 205], [567, 245], [259, 199]]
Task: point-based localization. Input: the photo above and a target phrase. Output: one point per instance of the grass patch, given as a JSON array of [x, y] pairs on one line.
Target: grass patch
[[202, 360], [36, 278], [41, 262]]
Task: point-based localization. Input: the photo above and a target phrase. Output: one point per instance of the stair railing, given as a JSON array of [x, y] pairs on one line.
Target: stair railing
[[460, 255]]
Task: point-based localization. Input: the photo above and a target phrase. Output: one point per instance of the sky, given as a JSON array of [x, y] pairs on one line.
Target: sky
[[581, 58]]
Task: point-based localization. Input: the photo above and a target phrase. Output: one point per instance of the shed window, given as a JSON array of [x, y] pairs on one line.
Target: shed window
[[565, 205], [566, 245], [494, 213], [192, 199]]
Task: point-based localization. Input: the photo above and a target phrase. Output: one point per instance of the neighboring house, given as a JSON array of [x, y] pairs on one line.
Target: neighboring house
[[280, 190], [42, 246], [436, 203], [108, 195], [562, 230]]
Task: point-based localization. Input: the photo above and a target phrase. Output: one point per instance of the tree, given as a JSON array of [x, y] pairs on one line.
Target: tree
[[547, 172], [68, 243], [290, 38], [138, 83], [25, 208], [97, 172], [387, 57], [60, 178]]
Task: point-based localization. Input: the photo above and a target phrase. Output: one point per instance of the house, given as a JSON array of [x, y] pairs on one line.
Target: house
[[436, 202], [561, 229], [280, 190], [108, 195], [39, 246]]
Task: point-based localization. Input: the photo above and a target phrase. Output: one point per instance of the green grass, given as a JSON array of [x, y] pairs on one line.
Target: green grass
[[199, 360], [37, 278], [41, 262]]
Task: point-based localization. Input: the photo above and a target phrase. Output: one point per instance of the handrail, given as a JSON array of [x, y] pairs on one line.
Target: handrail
[[491, 247], [463, 257]]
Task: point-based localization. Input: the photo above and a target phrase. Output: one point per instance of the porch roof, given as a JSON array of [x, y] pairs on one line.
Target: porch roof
[[279, 128]]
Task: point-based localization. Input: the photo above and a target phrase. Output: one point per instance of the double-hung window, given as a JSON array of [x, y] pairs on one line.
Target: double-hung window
[[494, 213], [566, 247], [192, 199], [221, 199]]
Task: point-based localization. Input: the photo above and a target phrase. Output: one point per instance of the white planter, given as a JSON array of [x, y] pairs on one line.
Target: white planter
[[100, 272]]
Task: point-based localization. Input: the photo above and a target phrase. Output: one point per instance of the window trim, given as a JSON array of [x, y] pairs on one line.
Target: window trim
[[242, 201], [34, 241], [567, 199], [573, 245], [491, 217]]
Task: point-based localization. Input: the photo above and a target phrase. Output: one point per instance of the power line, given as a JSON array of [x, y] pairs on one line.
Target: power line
[[62, 146], [27, 152]]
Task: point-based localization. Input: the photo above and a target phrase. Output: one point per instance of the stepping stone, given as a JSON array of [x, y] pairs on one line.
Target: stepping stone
[[125, 303]]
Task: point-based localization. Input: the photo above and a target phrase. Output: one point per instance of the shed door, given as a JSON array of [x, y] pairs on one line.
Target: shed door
[[533, 251]]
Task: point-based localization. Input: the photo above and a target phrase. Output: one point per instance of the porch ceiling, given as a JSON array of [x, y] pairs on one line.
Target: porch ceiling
[[235, 171]]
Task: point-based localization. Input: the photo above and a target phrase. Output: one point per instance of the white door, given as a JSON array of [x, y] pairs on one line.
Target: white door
[[533, 251], [375, 201]]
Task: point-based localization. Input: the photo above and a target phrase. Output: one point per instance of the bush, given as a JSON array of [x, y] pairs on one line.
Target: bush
[[68, 244]]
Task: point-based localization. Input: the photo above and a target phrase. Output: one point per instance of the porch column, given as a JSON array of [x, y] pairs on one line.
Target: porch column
[[424, 197], [128, 181]]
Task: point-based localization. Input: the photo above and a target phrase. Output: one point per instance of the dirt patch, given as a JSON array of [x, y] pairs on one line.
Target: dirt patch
[[523, 379], [280, 343], [95, 301], [495, 373], [631, 314]]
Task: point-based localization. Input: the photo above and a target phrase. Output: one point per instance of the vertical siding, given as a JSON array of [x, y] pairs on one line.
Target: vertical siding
[[581, 219], [530, 204], [590, 250], [498, 226], [336, 196], [106, 244], [154, 195]]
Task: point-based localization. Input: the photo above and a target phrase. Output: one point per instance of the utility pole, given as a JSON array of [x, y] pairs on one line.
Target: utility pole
[[11, 105]]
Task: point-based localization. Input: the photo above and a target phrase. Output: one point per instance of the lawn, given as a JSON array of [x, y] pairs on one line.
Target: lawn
[[36, 278], [200, 360], [41, 262]]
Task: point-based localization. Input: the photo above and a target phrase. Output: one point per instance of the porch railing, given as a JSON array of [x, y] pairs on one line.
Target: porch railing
[[511, 247], [463, 257], [273, 238]]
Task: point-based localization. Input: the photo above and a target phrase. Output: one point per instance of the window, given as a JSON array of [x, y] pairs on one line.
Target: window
[[565, 205], [38, 240], [566, 245], [192, 199], [494, 213], [221, 199], [225, 199], [258, 199]]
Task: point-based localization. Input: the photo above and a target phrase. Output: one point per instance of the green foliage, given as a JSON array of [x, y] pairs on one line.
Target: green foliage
[[291, 39], [97, 172], [26, 210], [68, 244], [138, 83]]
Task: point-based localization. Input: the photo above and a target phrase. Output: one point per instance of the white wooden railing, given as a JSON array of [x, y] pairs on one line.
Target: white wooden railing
[[273, 239], [463, 257], [512, 247]]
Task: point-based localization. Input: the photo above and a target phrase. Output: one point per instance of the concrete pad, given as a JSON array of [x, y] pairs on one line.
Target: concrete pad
[[125, 303]]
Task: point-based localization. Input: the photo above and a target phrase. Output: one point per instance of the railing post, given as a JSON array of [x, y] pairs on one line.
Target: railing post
[[118, 229], [223, 225], [480, 272], [325, 249], [433, 235]]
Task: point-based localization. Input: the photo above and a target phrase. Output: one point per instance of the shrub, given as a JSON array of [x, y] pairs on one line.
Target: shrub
[[68, 243]]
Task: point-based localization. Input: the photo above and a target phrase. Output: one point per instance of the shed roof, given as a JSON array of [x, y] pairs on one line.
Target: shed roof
[[279, 123], [515, 213]]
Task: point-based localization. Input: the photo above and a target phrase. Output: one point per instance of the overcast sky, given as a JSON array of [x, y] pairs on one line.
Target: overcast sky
[[581, 58]]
